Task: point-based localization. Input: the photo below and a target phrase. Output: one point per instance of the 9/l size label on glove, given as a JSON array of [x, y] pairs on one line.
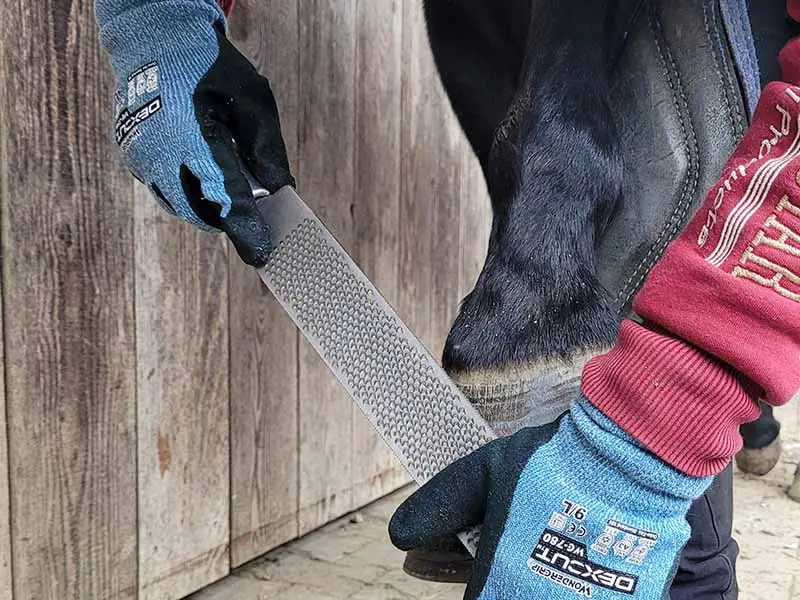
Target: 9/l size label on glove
[[564, 561]]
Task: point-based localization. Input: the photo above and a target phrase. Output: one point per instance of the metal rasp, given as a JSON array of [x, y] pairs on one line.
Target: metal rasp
[[407, 397]]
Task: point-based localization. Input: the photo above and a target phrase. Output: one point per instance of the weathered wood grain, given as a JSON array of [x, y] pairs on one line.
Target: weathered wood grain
[[67, 258], [182, 388], [6, 587], [376, 207], [446, 202], [325, 178], [430, 202], [264, 341], [475, 221], [414, 245]]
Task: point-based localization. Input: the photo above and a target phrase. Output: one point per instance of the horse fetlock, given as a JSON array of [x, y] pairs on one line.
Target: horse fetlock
[[519, 316]]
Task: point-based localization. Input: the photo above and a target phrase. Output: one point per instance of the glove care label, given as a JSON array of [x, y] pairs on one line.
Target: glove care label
[[634, 544], [562, 559]]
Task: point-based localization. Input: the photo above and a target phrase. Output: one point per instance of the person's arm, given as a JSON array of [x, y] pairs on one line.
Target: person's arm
[[727, 288], [596, 505], [193, 115]]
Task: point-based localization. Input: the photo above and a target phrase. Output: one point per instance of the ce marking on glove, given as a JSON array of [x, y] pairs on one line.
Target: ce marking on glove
[[561, 522], [577, 530]]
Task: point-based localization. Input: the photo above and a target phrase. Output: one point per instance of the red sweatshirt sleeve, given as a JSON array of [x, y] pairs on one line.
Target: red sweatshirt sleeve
[[728, 292], [793, 9], [226, 6]]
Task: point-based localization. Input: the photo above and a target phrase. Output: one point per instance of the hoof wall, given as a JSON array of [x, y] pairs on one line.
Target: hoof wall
[[447, 562], [760, 461]]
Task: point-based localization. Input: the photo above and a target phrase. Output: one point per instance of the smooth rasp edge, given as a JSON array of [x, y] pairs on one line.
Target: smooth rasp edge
[[406, 396]]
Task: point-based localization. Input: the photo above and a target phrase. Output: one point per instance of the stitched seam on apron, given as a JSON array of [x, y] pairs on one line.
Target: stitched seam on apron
[[674, 223], [734, 114]]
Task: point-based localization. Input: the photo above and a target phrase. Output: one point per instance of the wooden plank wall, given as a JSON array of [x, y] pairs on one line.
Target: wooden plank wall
[[5, 506], [68, 300], [182, 404], [161, 421], [264, 341], [431, 194], [474, 222]]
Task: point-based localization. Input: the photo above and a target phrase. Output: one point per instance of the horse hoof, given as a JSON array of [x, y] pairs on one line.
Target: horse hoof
[[511, 398], [760, 461], [446, 561]]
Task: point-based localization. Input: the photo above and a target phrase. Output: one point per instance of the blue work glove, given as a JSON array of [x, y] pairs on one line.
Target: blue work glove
[[192, 113], [574, 508]]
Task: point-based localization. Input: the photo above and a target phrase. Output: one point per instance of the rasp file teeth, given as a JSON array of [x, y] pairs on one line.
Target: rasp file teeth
[[424, 419]]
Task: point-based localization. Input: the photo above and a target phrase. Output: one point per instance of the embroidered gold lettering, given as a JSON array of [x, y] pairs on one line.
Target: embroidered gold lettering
[[781, 239]]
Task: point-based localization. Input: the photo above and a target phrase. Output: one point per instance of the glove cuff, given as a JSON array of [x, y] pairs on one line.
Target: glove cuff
[[625, 460], [137, 32]]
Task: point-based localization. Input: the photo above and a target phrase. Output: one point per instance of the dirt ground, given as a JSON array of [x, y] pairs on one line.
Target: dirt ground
[[352, 558]]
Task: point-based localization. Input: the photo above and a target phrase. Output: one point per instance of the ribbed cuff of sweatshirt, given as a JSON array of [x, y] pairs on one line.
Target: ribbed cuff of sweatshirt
[[682, 404]]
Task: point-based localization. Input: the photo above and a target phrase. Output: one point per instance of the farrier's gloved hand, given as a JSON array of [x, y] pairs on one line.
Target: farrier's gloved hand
[[589, 512], [191, 112]]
